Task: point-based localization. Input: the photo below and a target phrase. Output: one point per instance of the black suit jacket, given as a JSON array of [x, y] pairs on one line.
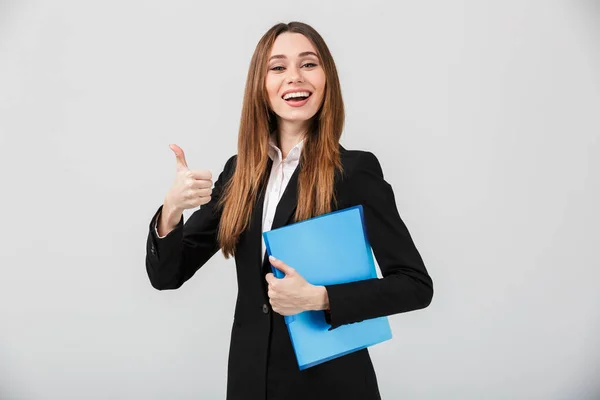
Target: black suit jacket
[[262, 363]]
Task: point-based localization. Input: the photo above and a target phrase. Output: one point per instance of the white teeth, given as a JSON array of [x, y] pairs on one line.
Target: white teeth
[[296, 94]]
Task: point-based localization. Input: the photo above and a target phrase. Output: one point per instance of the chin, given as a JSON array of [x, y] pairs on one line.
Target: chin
[[297, 116]]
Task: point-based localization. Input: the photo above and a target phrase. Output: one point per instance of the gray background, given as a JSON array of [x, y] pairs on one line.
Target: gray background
[[485, 117]]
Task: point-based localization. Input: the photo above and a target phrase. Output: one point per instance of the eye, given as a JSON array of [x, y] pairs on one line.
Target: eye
[[310, 64], [275, 68]]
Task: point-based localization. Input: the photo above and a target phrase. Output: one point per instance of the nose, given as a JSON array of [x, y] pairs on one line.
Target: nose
[[294, 74]]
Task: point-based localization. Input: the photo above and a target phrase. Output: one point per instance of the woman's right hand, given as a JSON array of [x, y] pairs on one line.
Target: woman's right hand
[[191, 188]]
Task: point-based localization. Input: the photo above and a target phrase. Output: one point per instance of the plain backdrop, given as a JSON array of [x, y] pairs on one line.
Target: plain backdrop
[[485, 117]]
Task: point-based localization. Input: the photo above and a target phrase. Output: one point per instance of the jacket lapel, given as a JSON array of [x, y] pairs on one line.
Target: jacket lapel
[[288, 202], [284, 211]]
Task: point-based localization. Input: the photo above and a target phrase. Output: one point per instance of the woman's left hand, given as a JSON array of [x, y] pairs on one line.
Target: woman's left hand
[[292, 294]]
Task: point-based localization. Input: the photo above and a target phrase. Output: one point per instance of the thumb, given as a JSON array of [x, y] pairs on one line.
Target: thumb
[[179, 157], [280, 265]]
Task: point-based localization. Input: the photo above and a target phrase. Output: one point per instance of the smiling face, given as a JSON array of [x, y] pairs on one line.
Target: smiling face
[[295, 80]]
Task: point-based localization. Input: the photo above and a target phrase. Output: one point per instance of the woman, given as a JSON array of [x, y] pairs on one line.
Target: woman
[[289, 167]]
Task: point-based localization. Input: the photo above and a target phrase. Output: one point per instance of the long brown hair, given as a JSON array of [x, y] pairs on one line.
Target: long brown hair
[[320, 152]]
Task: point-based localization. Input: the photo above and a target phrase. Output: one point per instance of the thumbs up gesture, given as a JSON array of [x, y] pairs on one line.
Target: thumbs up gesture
[[191, 188]]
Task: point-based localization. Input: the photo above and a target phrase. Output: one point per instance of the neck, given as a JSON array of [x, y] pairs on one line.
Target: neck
[[289, 134]]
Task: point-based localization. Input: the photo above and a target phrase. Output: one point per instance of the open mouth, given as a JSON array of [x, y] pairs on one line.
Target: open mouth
[[296, 97]]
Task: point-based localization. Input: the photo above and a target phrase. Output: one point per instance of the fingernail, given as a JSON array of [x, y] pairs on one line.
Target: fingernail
[[272, 258]]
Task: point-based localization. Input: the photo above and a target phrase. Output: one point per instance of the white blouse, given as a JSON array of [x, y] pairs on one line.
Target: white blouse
[[281, 172]]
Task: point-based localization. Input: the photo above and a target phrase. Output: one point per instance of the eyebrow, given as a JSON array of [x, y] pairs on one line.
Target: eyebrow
[[304, 53]]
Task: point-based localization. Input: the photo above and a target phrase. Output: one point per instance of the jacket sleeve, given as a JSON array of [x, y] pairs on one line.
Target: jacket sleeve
[[175, 258], [405, 285]]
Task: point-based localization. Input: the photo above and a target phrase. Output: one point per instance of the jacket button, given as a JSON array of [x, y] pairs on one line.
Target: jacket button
[[265, 308], [153, 250]]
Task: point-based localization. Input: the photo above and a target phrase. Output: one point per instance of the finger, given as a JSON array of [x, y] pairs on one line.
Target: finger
[[179, 157], [280, 265], [201, 184], [203, 192], [273, 305], [201, 174], [202, 201], [270, 278]]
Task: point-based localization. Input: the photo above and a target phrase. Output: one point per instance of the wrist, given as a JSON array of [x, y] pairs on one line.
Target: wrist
[[171, 213], [318, 299]]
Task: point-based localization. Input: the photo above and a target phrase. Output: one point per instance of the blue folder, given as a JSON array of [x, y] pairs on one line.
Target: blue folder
[[328, 249]]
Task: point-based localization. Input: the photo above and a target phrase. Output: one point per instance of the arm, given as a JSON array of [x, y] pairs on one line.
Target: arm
[[156, 219], [174, 258], [405, 285]]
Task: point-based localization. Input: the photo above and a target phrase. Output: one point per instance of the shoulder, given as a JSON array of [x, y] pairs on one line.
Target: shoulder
[[363, 181], [230, 164], [358, 162], [228, 169]]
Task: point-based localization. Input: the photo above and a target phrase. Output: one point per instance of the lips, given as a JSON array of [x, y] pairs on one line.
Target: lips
[[298, 101], [296, 90]]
